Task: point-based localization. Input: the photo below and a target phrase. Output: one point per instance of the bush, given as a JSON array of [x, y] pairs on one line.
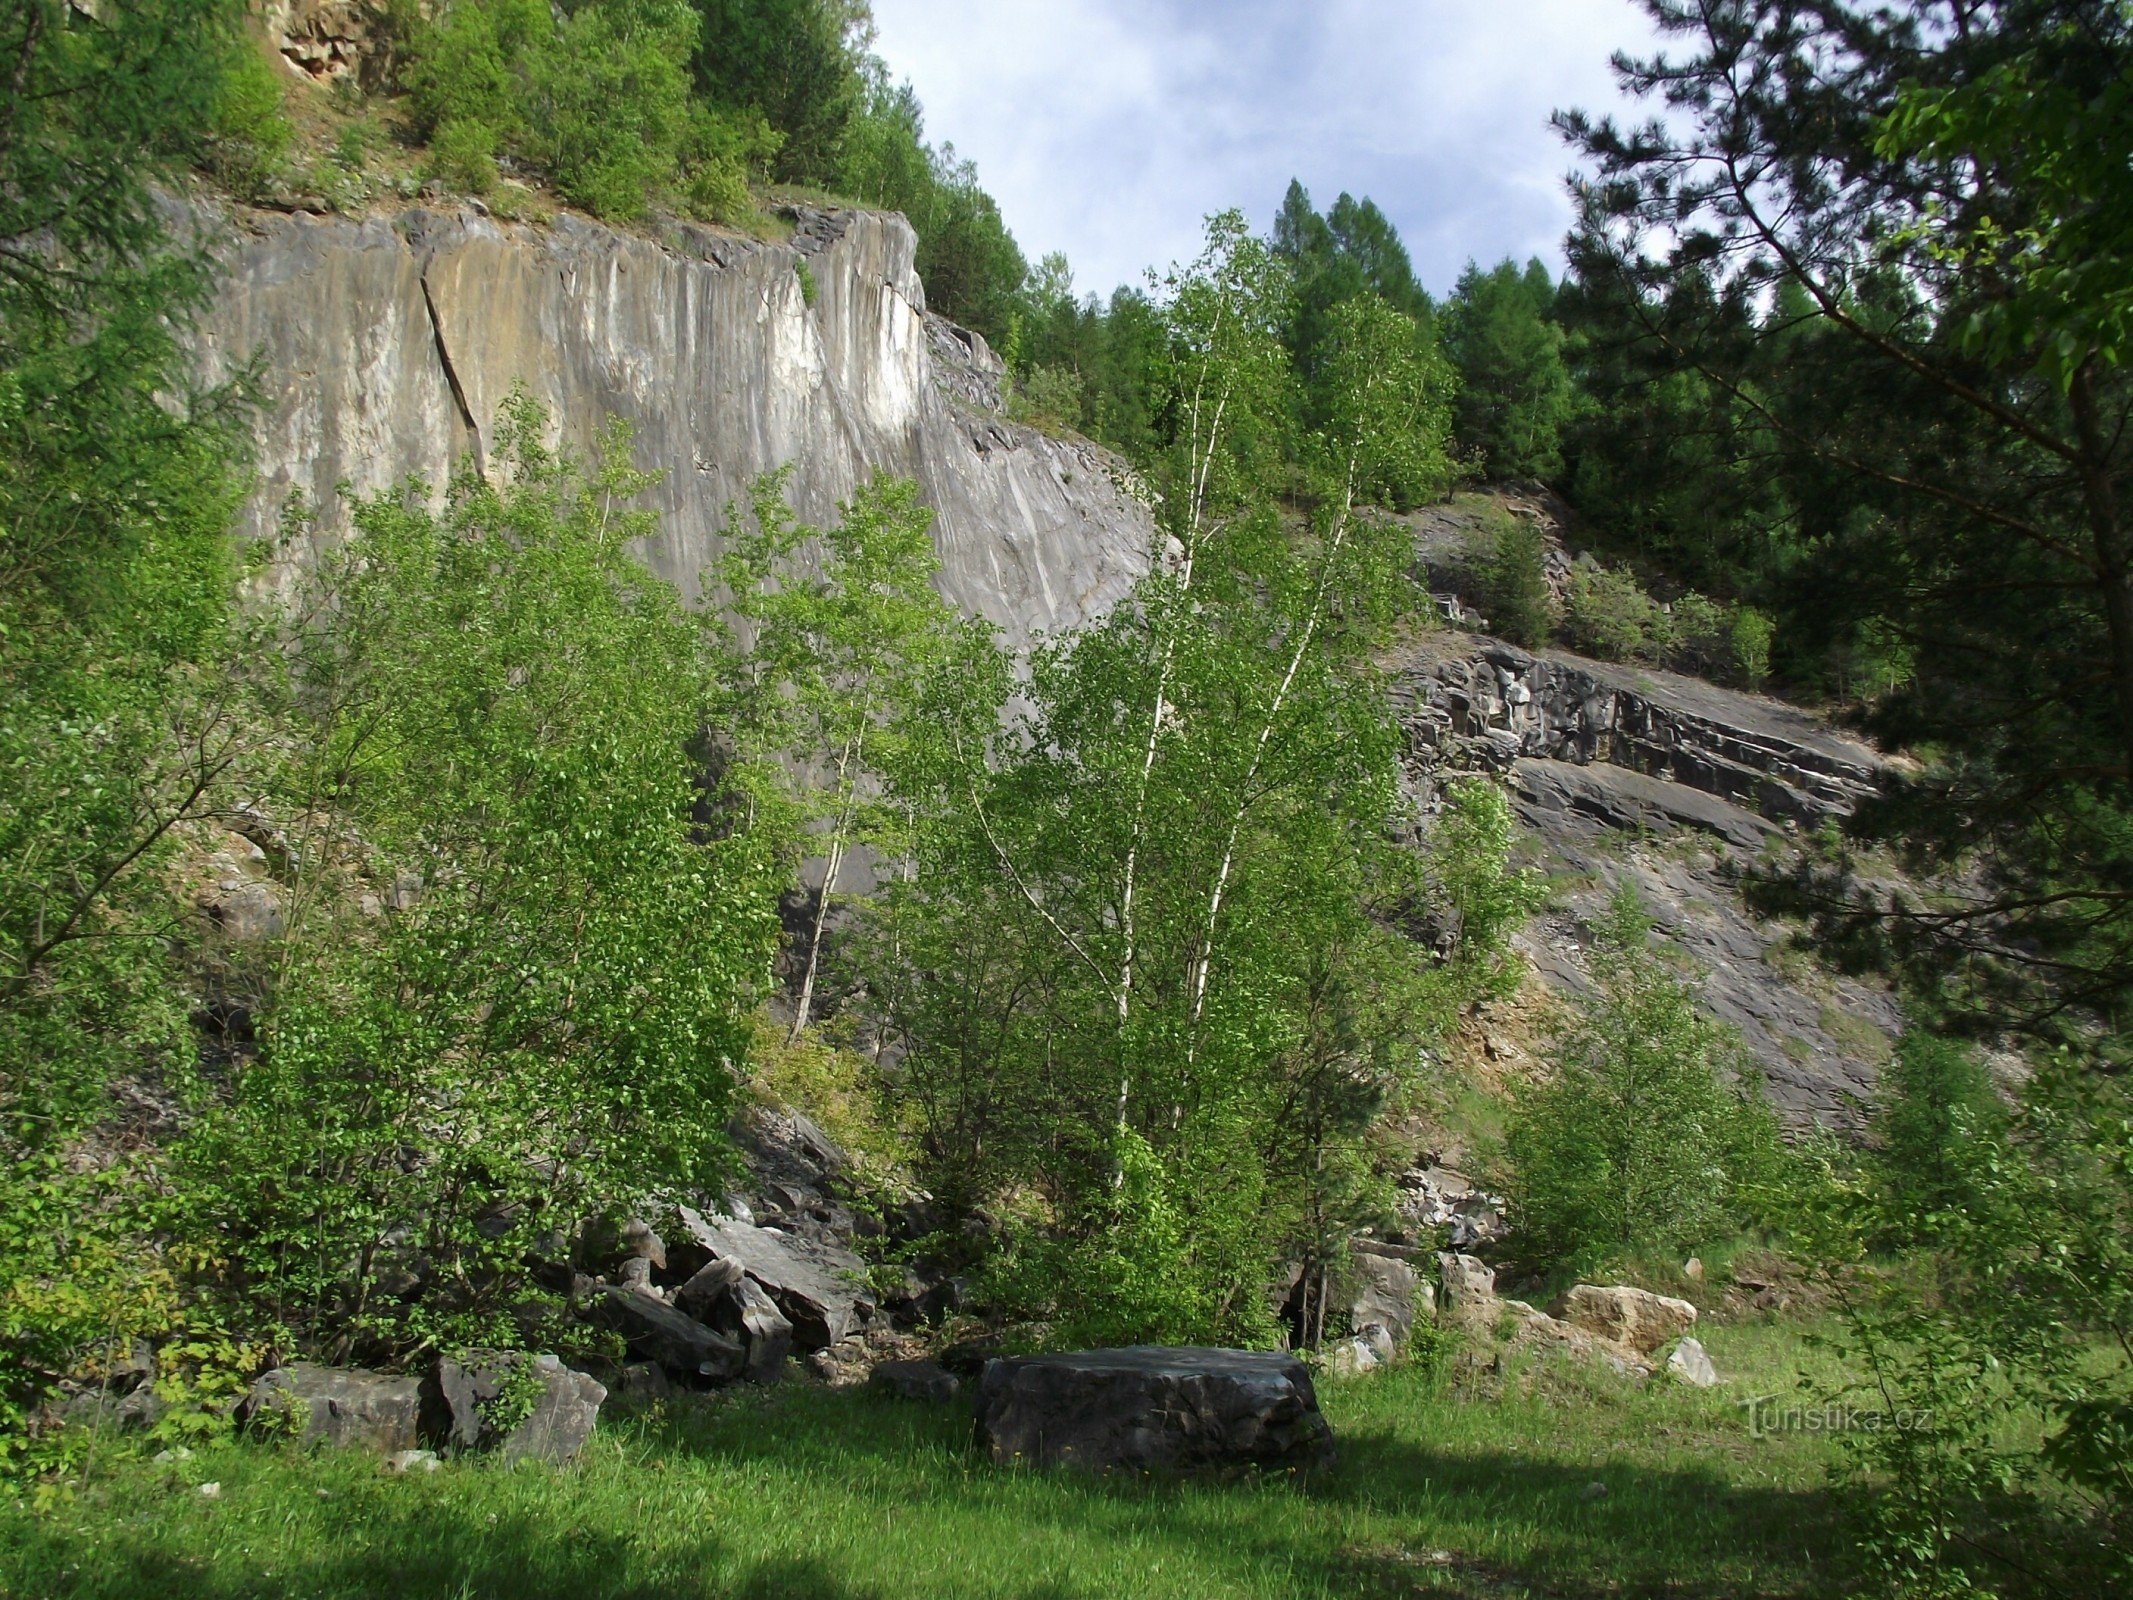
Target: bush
[[1609, 615], [463, 155], [1050, 398], [1649, 1131], [248, 137], [500, 706], [1505, 563], [1752, 634]]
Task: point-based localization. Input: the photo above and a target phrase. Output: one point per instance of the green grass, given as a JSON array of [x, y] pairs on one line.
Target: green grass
[[811, 1494]]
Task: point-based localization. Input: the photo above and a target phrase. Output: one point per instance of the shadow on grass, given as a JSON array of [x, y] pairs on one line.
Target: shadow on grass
[[1397, 1516]]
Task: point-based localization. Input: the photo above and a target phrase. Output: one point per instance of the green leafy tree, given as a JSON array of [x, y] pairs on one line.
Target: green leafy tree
[[1143, 1001], [1649, 1130], [796, 63], [827, 670], [493, 721], [118, 476], [1514, 387], [1916, 194]]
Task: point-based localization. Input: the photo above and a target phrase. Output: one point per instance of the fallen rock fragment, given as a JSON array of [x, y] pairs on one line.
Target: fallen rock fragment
[[914, 1380], [1691, 1363]]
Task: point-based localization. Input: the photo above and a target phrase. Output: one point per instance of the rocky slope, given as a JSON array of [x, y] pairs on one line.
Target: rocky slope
[[386, 344], [1676, 786]]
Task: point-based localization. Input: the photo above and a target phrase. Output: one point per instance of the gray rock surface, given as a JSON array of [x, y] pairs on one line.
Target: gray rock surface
[[341, 1406], [388, 343], [1674, 787], [458, 1398], [655, 1331], [1381, 1294], [1691, 1364], [816, 1284], [1151, 1408]]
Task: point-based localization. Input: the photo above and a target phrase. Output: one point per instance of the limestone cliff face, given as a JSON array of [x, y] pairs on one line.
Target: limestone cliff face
[[387, 344]]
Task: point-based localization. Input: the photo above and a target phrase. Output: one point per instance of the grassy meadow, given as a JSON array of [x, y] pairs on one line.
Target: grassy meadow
[[1514, 1481]]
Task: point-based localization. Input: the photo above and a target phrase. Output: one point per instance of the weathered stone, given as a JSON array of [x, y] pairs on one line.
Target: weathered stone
[[1467, 1293], [657, 1332], [1634, 1318], [1382, 1295], [1537, 1330], [389, 342], [914, 1380], [746, 1312], [814, 1285], [1152, 1408], [342, 1406], [458, 1399], [1691, 1363]]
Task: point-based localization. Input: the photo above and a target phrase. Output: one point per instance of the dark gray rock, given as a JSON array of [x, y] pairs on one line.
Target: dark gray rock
[[657, 1332], [458, 1406], [342, 1406], [914, 1380], [1151, 1408]]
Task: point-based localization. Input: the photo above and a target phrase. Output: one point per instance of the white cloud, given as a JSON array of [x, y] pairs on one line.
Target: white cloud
[[1108, 129]]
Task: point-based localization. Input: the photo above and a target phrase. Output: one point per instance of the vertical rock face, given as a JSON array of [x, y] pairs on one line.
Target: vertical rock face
[[386, 346]]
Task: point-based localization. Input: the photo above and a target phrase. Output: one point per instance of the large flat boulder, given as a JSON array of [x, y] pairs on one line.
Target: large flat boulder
[[1152, 1408], [1634, 1318], [342, 1406], [655, 1331], [465, 1406]]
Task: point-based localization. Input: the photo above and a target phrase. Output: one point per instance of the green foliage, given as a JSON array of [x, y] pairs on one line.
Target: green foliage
[[972, 268], [1505, 563], [1608, 614], [463, 155], [834, 669], [1514, 388], [795, 63], [1649, 1131], [1988, 1327], [1470, 871], [501, 706], [1750, 636], [600, 98], [1143, 1000], [117, 479], [248, 136]]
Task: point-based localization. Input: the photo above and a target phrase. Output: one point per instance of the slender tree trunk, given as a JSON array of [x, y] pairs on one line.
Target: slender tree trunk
[[1266, 734], [845, 787]]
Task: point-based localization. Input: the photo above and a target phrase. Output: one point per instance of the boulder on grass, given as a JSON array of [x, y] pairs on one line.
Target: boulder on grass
[[1691, 1364], [343, 1406], [1634, 1318], [1381, 1292], [1467, 1293], [459, 1407], [1152, 1408]]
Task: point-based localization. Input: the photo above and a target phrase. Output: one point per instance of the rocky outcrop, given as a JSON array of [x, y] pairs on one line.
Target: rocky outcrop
[[1675, 788], [1151, 1408], [460, 1401], [386, 345]]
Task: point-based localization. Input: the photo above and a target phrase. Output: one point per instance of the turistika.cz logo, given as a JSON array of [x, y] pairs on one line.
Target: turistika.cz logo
[[1767, 1415]]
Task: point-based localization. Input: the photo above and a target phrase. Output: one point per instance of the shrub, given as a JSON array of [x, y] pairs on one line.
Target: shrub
[[1649, 1130], [1752, 633], [500, 706], [1609, 615], [1049, 398], [1505, 563], [248, 136], [463, 155]]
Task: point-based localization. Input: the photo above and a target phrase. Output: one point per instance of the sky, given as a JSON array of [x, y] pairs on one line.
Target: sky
[[1109, 128]]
